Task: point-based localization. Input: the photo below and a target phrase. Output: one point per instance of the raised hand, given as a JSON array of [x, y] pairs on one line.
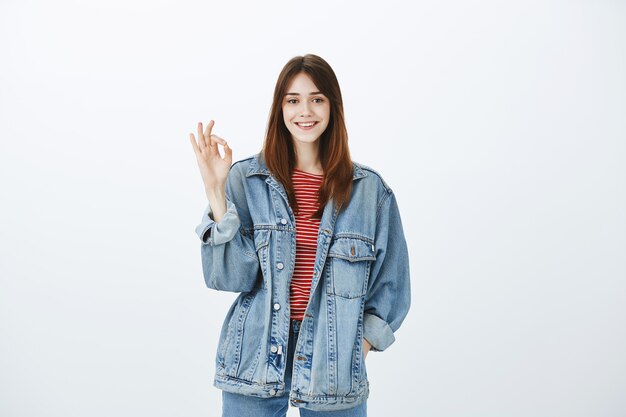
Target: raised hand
[[213, 168]]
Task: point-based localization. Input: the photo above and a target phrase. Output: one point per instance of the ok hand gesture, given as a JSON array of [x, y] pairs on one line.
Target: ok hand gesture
[[213, 168]]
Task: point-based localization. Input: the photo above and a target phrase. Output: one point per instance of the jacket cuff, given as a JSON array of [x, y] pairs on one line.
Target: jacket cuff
[[217, 233], [377, 332]]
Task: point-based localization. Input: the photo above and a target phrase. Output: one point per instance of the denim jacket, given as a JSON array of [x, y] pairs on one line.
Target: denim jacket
[[360, 288]]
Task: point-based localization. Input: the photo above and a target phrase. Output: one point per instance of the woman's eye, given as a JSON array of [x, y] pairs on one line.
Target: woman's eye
[[316, 100]]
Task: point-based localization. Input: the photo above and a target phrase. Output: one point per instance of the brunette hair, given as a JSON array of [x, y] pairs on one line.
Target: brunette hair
[[278, 150]]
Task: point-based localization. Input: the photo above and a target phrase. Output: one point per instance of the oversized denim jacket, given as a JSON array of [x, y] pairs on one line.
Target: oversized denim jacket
[[360, 288]]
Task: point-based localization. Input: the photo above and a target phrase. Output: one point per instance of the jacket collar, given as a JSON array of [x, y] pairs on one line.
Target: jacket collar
[[258, 167]]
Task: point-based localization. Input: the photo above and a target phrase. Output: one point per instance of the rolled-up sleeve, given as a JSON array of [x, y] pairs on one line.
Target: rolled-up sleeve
[[388, 297], [229, 259], [217, 233]]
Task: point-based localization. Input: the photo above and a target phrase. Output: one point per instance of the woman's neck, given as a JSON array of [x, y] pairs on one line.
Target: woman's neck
[[307, 157]]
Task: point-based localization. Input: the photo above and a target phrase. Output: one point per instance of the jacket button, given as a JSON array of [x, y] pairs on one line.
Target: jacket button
[[272, 391], [283, 221], [274, 349], [280, 265], [276, 306], [301, 358]]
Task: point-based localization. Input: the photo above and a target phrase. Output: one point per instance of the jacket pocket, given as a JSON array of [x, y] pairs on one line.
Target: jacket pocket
[[348, 262], [231, 339], [225, 337]]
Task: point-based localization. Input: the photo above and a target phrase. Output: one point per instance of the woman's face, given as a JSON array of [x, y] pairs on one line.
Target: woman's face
[[306, 111]]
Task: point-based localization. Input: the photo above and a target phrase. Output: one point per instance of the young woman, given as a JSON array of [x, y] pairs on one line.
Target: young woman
[[314, 244]]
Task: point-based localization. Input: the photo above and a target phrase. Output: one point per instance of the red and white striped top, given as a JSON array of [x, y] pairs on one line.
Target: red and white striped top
[[306, 187]]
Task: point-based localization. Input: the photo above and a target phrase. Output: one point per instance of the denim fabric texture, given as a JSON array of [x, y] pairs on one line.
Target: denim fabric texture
[[239, 405], [360, 288]]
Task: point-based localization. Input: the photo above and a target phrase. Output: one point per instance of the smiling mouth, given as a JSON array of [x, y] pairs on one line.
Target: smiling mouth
[[306, 124]]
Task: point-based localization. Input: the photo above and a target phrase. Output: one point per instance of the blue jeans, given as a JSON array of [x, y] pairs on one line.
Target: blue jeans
[[238, 405]]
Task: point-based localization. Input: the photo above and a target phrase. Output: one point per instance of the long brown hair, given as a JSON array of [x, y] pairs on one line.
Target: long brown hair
[[278, 149]]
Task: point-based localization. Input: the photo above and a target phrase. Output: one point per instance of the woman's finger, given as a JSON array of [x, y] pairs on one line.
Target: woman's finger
[[201, 138], [207, 133], [228, 154], [194, 145], [215, 138]]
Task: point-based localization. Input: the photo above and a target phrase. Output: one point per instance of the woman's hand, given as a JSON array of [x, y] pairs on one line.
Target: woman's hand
[[366, 348], [213, 168]]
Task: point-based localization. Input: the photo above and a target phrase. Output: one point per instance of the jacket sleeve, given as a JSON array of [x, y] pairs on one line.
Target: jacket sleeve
[[229, 259], [388, 295]]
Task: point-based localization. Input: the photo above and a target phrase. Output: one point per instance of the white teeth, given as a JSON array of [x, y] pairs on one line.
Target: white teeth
[[306, 124]]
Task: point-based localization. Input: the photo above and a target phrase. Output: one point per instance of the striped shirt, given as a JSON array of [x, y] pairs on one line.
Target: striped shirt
[[306, 187]]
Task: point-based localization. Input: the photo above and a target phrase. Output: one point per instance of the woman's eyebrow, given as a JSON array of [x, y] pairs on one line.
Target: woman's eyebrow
[[297, 94]]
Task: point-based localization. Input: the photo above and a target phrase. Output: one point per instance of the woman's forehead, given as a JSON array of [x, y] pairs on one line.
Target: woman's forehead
[[302, 83]]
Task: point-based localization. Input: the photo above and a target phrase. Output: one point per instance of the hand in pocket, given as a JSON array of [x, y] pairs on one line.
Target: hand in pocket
[[366, 348]]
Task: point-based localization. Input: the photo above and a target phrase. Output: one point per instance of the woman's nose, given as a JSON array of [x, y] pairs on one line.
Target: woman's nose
[[305, 110]]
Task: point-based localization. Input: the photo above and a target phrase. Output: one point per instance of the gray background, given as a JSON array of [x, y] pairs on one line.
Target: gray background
[[500, 125]]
